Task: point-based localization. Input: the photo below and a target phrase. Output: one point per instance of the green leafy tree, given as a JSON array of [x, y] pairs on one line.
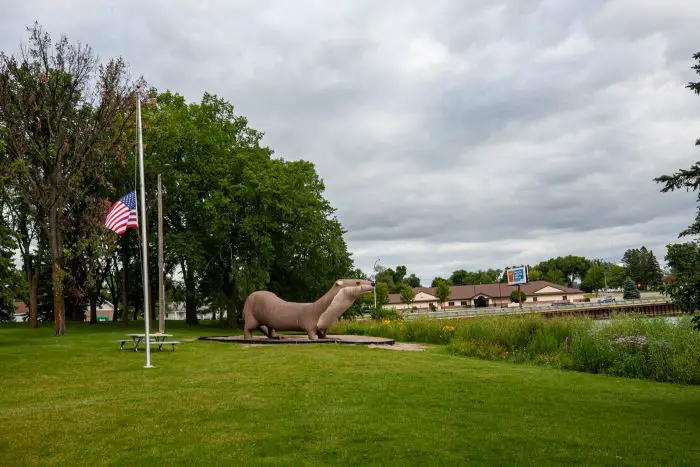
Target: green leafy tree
[[60, 113], [407, 296], [564, 270], [514, 296], [11, 280], [382, 291], [687, 178], [412, 281], [684, 287], [555, 276], [594, 279], [237, 219], [630, 290], [616, 276], [534, 274], [442, 291], [437, 280], [458, 277]]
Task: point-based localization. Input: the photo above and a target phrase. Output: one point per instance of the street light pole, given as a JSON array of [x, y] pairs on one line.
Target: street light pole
[[374, 279]]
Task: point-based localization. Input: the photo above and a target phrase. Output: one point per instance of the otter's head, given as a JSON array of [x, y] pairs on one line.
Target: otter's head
[[365, 285]]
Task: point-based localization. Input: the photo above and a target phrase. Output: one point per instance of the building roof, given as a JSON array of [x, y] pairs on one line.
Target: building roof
[[469, 292]]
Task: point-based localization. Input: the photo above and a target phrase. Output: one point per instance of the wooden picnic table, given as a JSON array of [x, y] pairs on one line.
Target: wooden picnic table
[[157, 338]]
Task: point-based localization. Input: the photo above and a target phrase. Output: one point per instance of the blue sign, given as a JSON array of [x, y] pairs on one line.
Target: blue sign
[[517, 276]]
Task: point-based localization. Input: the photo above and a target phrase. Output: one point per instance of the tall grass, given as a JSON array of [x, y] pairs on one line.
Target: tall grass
[[630, 345]]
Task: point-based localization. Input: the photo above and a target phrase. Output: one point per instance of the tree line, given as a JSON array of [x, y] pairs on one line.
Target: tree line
[[237, 217], [639, 267]]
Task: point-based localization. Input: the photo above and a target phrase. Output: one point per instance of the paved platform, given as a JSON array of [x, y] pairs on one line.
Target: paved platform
[[303, 339]]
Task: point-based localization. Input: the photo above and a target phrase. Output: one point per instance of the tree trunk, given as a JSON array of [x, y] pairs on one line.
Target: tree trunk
[[74, 309], [56, 273], [93, 306], [151, 302], [231, 302], [190, 298], [33, 297], [125, 287]]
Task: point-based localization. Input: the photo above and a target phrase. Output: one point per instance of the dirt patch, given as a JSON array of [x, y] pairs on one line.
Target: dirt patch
[[397, 346]]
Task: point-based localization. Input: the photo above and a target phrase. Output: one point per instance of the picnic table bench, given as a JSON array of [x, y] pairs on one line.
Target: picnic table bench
[[157, 339]]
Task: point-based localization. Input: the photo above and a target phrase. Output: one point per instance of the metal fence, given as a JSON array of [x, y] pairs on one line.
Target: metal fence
[[460, 312]]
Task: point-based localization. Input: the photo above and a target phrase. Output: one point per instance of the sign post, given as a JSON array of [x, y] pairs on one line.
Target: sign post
[[517, 276]]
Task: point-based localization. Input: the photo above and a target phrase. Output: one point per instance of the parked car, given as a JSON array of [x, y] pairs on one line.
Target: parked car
[[606, 299]]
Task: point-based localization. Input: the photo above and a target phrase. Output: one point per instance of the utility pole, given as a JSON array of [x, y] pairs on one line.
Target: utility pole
[[374, 277], [161, 266]]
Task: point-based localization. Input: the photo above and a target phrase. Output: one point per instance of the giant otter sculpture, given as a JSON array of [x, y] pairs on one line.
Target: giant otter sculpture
[[266, 311]]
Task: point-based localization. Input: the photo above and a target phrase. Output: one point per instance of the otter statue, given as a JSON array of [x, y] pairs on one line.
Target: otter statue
[[266, 311]]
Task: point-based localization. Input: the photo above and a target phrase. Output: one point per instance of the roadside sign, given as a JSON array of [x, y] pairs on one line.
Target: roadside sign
[[517, 276]]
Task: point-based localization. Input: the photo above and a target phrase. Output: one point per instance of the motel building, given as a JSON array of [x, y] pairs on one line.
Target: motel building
[[486, 295]]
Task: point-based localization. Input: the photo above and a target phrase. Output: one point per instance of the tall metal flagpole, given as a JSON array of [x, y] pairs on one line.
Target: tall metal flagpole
[[144, 240]]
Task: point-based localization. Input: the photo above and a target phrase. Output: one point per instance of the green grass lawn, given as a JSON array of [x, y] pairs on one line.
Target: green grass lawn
[[77, 400]]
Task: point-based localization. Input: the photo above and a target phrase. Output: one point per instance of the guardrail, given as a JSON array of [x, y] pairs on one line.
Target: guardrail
[[530, 309]]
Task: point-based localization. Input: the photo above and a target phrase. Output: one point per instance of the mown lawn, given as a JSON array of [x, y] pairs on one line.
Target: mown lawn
[[77, 400]]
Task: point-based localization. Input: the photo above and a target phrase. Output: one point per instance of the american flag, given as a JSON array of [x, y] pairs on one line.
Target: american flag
[[122, 214]]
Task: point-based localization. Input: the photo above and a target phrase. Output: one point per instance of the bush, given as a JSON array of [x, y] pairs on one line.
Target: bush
[[385, 313], [631, 345]]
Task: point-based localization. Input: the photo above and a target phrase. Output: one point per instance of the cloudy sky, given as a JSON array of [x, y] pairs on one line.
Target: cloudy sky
[[450, 134]]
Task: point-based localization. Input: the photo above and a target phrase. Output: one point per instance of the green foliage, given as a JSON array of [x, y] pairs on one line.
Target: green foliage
[[616, 276], [442, 290], [239, 220], [382, 313], [12, 283], [687, 178], [633, 346], [396, 279], [564, 270], [594, 279], [642, 267], [684, 286], [462, 277], [534, 274], [630, 291], [514, 296], [407, 295], [555, 276]]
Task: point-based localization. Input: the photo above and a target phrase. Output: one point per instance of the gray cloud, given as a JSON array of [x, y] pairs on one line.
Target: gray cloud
[[449, 134]]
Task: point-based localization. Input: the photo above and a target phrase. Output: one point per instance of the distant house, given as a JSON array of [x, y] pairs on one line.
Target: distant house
[[486, 295], [176, 311], [21, 312], [104, 312]]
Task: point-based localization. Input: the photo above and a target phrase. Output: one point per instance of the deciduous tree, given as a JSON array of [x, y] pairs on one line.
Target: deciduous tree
[[61, 113]]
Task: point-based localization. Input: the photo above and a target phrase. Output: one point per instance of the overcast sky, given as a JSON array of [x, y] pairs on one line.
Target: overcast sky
[[450, 134]]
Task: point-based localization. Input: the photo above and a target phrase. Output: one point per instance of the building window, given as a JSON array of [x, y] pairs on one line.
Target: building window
[[534, 299], [463, 303], [563, 297], [450, 303]]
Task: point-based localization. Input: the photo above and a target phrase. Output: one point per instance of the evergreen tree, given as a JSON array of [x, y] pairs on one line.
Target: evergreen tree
[[630, 290]]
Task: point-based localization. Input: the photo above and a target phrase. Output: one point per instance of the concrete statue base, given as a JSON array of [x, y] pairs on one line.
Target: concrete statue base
[[287, 339]]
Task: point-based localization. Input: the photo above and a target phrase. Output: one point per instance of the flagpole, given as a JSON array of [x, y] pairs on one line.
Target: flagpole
[[144, 240]]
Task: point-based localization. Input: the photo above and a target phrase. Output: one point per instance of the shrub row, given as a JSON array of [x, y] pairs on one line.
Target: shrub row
[[629, 345]]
